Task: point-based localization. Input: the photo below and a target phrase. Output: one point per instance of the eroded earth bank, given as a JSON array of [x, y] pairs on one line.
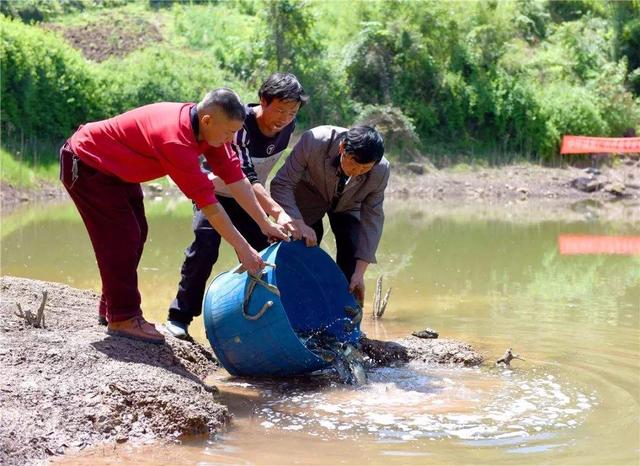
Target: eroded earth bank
[[68, 386]]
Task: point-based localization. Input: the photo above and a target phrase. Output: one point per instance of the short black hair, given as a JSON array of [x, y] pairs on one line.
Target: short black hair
[[225, 99], [365, 144], [283, 86]]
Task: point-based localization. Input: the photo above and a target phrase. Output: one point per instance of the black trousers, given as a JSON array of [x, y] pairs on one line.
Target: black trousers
[[346, 229], [202, 254]]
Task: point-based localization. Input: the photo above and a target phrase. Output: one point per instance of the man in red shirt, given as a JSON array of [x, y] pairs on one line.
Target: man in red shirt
[[103, 164]]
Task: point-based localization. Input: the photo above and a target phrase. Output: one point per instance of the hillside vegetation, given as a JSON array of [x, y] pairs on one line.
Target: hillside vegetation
[[487, 81]]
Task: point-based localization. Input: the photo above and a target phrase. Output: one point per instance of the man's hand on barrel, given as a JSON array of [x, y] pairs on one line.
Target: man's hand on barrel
[[274, 232], [356, 287], [287, 222], [251, 260], [356, 284], [302, 230]]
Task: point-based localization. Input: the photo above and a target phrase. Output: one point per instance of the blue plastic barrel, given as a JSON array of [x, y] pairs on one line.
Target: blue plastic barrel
[[260, 337]]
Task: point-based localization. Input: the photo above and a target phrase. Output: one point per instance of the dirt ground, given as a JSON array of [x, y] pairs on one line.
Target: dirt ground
[[518, 182], [521, 193], [12, 197], [110, 37], [68, 386]]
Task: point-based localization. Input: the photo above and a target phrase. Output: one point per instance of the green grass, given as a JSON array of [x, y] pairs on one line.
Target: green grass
[[22, 173]]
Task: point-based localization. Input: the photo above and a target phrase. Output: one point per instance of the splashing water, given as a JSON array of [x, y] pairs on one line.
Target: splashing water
[[418, 401], [347, 361]]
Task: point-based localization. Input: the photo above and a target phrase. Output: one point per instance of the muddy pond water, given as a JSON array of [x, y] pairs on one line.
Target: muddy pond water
[[494, 281]]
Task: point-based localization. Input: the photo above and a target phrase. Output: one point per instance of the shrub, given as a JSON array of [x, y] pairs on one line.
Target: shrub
[[532, 20], [570, 110], [220, 31], [618, 107], [391, 66], [626, 23], [289, 42], [47, 88], [570, 10], [370, 64], [32, 11], [161, 74], [520, 122], [400, 139], [587, 45], [450, 108]]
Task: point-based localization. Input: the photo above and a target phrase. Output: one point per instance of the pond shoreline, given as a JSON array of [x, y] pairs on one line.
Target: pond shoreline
[[472, 184], [69, 387], [521, 182]]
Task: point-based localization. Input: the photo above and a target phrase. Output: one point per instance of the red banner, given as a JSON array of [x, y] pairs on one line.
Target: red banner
[[570, 245], [589, 145]]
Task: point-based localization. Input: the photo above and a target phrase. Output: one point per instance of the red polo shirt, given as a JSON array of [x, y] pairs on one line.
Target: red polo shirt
[[153, 141]]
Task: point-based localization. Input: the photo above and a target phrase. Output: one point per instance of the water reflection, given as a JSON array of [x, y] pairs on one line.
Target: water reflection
[[592, 244], [485, 279]]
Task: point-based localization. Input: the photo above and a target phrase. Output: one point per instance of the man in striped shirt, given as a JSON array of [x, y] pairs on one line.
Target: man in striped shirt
[[259, 144]]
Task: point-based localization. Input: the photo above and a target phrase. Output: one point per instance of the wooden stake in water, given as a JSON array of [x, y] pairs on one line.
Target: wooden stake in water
[[380, 303]]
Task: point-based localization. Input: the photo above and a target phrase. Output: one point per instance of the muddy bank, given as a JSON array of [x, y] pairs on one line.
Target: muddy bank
[[527, 211], [518, 182], [521, 193], [69, 386], [12, 197], [428, 351], [607, 186]]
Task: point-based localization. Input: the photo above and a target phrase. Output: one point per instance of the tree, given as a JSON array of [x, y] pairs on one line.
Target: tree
[[291, 44], [289, 40], [369, 66], [626, 20]]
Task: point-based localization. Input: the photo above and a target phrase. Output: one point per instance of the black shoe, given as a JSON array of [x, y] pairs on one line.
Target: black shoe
[[102, 320]]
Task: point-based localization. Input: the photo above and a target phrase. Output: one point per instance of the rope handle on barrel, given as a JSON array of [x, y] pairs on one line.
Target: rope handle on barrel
[[260, 313], [253, 281], [240, 268]]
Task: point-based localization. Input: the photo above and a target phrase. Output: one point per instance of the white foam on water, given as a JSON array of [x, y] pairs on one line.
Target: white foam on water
[[417, 401], [293, 427], [327, 424]]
